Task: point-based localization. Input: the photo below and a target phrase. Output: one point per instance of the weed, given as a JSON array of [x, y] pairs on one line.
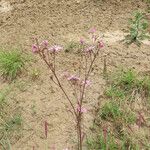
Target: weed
[[110, 111], [33, 108], [13, 123], [138, 29], [9, 129], [127, 144], [129, 117], [102, 142], [3, 95], [71, 46], [22, 85], [11, 64], [114, 92], [35, 73], [146, 85], [122, 117], [126, 80]]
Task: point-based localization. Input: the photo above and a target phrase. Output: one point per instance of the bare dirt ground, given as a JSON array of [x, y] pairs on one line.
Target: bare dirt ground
[[62, 21]]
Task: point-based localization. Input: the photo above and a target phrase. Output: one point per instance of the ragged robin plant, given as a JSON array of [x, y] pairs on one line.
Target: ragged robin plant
[[77, 82]]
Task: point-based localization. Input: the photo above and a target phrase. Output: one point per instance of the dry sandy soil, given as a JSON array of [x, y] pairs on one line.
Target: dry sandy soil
[[62, 21]]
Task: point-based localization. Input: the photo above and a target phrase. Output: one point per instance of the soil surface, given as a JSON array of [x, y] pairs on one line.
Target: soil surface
[[60, 22]]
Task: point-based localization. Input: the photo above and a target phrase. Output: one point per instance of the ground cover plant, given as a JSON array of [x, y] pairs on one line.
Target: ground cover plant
[[10, 122], [116, 120], [11, 63]]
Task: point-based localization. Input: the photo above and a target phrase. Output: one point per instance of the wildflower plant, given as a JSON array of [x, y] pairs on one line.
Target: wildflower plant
[[138, 29], [78, 82]]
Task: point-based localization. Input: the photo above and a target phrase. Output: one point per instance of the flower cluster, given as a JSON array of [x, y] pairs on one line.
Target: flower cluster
[[75, 80], [36, 48], [81, 109], [97, 44], [78, 83]]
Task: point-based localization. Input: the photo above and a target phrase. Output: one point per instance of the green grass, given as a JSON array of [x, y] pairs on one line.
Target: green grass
[[71, 47], [11, 64], [109, 143], [126, 79], [110, 111], [8, 129], [10, 122], [125, 91], [129, 117], [101, 143], [114, 92], [13, 123], [3, 97]]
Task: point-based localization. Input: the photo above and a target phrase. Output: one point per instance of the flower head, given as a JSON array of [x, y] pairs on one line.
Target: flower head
[[90, 49], [55, 48], [81, 109], [82, 41], [100, 44], [87, 83], [44, 43], [73, 79], [65, 74], [35, 48], [92, 30]]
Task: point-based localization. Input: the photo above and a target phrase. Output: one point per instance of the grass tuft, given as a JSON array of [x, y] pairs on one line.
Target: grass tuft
[[11, 64]]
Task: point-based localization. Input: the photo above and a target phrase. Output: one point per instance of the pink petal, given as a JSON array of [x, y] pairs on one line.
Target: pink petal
[[55, 48], [92, 30], [45, 43], [82, 41], [100, 44], [34, 48]]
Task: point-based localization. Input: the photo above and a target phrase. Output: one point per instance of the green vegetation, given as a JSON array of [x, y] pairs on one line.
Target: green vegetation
[[138, 29], [118, 113], [11, 64], [102, 142], [114, 92], [10, 122], [110, 111], [35, 74], [71, 47]]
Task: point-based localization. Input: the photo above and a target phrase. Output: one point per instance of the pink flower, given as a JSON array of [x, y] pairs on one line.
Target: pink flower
[[44, 43], [82, 41], [90, 49], [87, 83], [35, 48], [81, 109], [100, 44], [92, 30], [55, 48], [94, 38], [74, 80], [65, 74]]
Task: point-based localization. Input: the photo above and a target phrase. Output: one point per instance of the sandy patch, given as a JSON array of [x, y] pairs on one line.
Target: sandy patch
[[5, 7]]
